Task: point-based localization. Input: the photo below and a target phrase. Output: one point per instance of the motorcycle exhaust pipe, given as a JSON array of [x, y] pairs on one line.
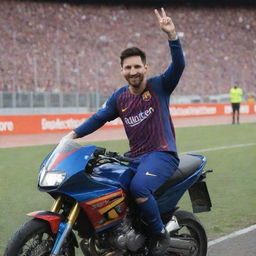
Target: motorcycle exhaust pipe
[[181, 246]]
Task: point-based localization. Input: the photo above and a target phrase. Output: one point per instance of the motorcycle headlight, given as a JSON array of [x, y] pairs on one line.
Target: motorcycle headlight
[[51, 178]]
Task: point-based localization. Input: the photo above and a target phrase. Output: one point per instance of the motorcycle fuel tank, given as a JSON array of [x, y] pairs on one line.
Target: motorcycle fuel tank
[[113, 174]]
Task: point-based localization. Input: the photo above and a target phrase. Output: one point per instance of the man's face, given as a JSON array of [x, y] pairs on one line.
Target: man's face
[[134, 70]]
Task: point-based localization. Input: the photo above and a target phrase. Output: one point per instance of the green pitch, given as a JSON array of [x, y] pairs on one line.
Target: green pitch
[[231, 186]]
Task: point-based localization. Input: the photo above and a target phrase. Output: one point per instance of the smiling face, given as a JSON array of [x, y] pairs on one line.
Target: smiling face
[[133, 69]]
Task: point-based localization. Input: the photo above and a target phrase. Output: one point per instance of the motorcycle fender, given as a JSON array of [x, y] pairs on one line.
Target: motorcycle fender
[[53, 218], [200, 198]]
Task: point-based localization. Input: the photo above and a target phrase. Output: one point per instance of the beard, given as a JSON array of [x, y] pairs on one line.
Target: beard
[[135, 81]]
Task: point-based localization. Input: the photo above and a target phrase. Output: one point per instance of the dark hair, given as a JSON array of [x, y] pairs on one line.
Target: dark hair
[[132, 51]]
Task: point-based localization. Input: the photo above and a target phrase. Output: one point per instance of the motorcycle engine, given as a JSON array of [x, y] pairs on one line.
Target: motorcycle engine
[[125, 238]]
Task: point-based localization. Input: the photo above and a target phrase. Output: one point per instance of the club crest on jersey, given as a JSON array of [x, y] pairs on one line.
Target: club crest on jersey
[[146, 96]]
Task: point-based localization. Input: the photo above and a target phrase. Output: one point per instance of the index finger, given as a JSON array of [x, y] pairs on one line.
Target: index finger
[[158, 15]]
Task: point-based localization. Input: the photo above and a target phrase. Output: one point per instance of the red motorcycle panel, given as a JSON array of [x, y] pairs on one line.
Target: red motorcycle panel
[[54, 219], [106, 210]]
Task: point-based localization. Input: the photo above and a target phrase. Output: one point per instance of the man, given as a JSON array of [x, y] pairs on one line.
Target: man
[[143, 106], [235, 99]]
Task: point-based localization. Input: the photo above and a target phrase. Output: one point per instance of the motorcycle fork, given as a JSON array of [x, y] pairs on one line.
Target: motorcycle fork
[[64, 227], [57, 205]]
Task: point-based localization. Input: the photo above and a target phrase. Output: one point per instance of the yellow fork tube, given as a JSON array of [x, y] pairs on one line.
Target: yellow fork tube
[[73, 214], [57, 205]]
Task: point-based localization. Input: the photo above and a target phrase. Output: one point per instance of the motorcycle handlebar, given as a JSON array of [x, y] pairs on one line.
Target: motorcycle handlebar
[[125, 159], [110, 154], [118, 157]]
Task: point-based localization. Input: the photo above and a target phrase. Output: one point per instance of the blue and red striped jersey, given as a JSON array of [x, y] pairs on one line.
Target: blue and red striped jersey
[[146, 117]]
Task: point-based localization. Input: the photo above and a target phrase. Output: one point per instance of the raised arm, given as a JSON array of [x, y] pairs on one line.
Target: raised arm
[[172, 75]]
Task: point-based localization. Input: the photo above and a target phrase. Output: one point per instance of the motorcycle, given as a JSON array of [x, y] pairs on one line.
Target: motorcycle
[[91, 202]]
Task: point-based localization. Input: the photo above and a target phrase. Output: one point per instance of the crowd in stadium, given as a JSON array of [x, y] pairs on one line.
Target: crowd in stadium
[[61, 47]]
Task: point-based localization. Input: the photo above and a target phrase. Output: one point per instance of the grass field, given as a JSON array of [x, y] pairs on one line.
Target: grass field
[[232, 186]]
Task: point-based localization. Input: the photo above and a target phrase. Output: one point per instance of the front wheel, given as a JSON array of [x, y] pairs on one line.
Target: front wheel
[[190, 230], [35, 238]]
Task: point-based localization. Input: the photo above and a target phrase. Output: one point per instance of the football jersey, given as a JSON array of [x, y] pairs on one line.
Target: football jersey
[[146, 116]]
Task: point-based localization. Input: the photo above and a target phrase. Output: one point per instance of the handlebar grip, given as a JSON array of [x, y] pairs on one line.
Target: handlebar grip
[[118, 157], [100, 151], [124, 159]]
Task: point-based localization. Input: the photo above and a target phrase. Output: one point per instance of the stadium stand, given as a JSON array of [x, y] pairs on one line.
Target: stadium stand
[[59, 47]]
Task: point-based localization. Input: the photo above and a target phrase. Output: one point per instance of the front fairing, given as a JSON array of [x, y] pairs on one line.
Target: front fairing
[[79, 182], [68, 157]]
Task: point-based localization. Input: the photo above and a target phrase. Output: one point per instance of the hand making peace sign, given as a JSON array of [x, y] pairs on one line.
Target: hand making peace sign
[[166, 24]]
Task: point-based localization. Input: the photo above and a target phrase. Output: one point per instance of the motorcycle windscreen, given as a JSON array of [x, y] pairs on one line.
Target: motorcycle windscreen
[[200, 197], [63, 150]]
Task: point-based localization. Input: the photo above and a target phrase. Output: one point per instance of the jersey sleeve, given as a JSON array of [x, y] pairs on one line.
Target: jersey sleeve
[[171, 76], [106, 113]]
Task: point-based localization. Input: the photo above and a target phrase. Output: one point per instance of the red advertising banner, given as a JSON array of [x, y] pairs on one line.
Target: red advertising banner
[[196, 110], [29, 124]]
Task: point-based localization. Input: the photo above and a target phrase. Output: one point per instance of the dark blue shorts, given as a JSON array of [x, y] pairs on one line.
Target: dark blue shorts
[[151, 171]]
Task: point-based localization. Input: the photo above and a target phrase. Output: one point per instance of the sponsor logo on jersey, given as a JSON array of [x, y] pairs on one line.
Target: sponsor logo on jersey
[[137, 119]]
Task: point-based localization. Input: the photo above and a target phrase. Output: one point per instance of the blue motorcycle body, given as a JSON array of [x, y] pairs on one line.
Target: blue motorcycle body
[[106, 179], [91, 190]]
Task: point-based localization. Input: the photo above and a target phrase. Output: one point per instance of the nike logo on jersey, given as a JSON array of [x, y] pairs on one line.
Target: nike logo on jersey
[[124, 109], [150, 174]]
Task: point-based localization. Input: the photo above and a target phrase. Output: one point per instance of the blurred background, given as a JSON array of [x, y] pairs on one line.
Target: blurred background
[[63, 56]]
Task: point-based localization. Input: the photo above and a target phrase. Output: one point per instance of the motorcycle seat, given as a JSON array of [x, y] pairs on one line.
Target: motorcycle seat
[[187, 166]]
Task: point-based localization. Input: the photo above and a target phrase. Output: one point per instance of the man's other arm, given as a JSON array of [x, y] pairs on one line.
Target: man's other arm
[[108, 112]]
